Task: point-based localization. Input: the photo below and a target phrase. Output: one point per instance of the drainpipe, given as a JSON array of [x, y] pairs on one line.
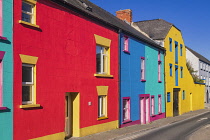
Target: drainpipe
[[119, 72], [165, 82]]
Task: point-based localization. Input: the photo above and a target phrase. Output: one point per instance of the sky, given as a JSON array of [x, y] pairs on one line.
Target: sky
[[192, 17]]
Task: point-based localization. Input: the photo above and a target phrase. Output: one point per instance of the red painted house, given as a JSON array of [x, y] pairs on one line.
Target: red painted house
[[65, 70]]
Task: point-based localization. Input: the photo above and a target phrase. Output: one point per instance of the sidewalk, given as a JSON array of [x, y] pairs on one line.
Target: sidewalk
[[121, 132]]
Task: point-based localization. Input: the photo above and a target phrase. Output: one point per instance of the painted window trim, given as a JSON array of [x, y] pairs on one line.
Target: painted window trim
[[181, 49], [143, 69], [170, 45], [159, 104], [1, 18], [176, 52], [2, 53], [129, 110], [106, 43], [159, 67], [152, 105], [126, 44], [31, 60], [104, 98], [33, 23], [171, 69]]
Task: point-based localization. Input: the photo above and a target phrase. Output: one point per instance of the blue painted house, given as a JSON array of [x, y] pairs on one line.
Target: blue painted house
[[6, 70], [141, 77]]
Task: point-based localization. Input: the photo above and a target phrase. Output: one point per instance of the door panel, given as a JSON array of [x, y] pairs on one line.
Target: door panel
[[175, 103]]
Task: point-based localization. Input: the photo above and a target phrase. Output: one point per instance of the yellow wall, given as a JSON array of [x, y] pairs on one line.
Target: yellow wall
[[186, 83]]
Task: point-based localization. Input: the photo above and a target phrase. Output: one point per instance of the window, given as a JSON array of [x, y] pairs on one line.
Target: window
[[181, 72], [101, 60], [183, 95], [204, 66], [28, 81], [207, 67], [143, 69], [126, 109], [27, 84], [209, 81], [1, 21], [176, 76], [201, 77], [180, 49], [102, 56], [159, 104], [153, 105], [176, 52], [170, 65], [159, 67], [201, 65], [1, 83], [126, 45], [102, 106], [28, 11], [168, 97], [170, 44]]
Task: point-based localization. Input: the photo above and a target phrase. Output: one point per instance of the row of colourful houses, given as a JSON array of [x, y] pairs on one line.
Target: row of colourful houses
[[69, 69]]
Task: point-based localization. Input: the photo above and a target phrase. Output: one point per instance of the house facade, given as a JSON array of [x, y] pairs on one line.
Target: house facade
[[65, 71], [141, 77], [6, 70], [201, 66], [181, 96]]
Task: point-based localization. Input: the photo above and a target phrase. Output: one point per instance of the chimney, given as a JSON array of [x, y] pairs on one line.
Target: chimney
[[125, 15]]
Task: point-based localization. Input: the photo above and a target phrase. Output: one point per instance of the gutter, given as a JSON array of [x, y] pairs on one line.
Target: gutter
[[119, 75]]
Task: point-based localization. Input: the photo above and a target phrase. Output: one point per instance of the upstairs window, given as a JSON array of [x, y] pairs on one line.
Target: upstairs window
[[168, 97], [181, 72], [159, 67], [170, 44], [201, 65], [126, 45], [170, 65], [1, 20], [176, 52], [183, 95], [28, 11], [143, 69], [102, 59], [180, 49]]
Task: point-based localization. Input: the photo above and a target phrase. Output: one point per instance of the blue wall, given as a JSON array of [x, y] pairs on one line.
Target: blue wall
[[6, 116], [131, 85]]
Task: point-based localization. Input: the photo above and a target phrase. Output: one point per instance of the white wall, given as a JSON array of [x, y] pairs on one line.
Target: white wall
[[193, 59]]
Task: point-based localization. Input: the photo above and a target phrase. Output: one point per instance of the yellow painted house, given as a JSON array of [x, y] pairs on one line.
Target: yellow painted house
[[181, 92]]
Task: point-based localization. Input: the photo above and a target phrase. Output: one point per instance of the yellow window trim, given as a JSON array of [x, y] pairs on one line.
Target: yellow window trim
[[102, 90], [30, 1], [103, 75], [102, 118], [29, 24], [30, 106], [102, 41]]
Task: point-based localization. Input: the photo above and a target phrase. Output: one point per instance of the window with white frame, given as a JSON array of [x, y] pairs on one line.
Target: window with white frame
[[126, 45], [201, 65], [126, 109], [159, 67], [27, 84], [143, 69], [28, 11], [152, 105], [209, 81], [159, 104], [204, 67], [1, 21], [102, 59], [102, 106]]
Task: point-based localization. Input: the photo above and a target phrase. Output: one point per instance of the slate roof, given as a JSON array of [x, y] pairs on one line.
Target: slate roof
[[157, 29], [202, 58], [99, 14]]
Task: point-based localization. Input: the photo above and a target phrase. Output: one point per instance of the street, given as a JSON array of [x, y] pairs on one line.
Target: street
[[176, 131]]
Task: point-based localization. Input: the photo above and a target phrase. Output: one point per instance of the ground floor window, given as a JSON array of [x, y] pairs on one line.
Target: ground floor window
[[102, 106], [126, 109], [159, 104], [153, 105]]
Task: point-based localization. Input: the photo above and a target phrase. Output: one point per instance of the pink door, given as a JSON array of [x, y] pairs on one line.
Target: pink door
[[144, 108]]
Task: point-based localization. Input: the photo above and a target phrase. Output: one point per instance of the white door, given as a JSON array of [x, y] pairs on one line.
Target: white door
[[142, 111]]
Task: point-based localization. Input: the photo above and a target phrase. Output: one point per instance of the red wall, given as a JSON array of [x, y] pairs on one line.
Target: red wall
[[65, 47]]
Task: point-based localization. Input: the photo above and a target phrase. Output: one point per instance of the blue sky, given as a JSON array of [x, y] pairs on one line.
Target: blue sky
[[192, 17]]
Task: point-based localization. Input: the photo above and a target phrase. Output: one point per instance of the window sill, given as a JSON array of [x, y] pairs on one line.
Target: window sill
[[159, 81], [153, 115], [102, 118], [3, 38], [3, 108], [159, 113], [127, 121], [126, 51], [29, 24], [142, 80], [102, 75], [30, 106]]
